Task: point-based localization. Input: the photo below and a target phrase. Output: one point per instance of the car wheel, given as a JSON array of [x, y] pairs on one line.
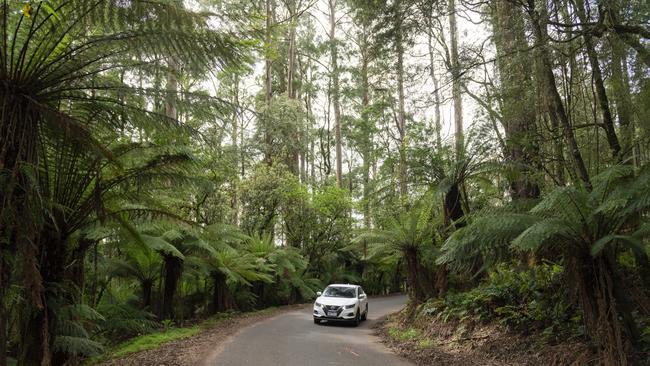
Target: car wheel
[[365, 314], [316, 321], [357, 319]]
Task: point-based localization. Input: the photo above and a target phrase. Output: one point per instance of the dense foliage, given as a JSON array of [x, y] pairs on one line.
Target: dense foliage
[[162, 161]]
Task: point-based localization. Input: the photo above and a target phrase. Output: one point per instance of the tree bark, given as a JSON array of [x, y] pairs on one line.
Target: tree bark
[[268, 88], [401, 115], [456, 82], [518, 106], [335, 92]]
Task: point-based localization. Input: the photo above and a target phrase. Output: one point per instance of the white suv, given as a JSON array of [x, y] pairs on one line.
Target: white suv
[[341, 303]]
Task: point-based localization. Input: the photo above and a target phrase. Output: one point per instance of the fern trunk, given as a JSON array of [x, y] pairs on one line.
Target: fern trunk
[[173, 270], [147, 287], [221, 297], [600, 304]]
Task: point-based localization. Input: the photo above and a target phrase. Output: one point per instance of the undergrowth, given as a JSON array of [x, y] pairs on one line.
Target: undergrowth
[[529, 300]]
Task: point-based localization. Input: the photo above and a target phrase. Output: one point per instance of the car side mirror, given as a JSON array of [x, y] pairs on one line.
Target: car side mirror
[[362, 296], [319, 293]]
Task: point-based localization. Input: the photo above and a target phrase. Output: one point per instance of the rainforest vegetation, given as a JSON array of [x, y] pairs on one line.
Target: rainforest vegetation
[[162, 161]]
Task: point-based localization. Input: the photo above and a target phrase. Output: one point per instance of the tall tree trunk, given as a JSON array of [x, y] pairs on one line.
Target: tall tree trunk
[[335, 92], [234, 204], [456, 82], [518, 107], [291, 90], [436, 92], [556, 106], [268, 86], [365, 105], [401, 115], [603, 101]]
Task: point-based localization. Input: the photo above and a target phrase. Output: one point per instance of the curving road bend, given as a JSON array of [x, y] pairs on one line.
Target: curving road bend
[[293, 339]]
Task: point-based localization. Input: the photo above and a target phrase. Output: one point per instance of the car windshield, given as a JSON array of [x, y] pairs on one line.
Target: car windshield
[[340, 292]]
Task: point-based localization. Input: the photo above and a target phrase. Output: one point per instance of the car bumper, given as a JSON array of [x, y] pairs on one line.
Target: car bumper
[[345, 315]]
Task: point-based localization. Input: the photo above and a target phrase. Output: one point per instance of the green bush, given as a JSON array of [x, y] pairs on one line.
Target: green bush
[[532, 299]]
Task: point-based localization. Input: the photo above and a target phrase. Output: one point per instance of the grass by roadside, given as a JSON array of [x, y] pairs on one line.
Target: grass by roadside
[[160, 338]]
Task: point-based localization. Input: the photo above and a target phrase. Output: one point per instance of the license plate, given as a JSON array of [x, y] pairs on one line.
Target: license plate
[[331, 313]]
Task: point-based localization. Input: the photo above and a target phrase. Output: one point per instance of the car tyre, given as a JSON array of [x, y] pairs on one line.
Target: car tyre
[[364, 317], [316, 321], [357, 319]]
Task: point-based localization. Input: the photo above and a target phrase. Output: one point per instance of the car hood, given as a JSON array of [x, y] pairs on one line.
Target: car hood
[[339, 301]]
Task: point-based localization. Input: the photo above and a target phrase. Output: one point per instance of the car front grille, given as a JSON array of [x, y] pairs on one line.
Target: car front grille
[[336, 308]]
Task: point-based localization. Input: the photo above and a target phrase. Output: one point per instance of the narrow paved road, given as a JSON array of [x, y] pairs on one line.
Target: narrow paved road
[[293, 339]]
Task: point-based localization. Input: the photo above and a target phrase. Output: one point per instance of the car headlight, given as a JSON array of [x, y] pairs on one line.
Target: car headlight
[[350, 306], [318, 304]]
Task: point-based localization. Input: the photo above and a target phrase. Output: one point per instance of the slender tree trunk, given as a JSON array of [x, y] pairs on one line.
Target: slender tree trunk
[[401, 114], [234, 204], [335, 92], [456, 82], [436, 92], [556, 106], [367, 148], [603, 101], [268, 88]]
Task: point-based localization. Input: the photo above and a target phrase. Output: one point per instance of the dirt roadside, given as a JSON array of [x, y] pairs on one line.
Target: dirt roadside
[[200, 349], [455, 344]]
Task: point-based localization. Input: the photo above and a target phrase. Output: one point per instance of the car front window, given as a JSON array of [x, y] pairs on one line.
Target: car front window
[[347, 292]]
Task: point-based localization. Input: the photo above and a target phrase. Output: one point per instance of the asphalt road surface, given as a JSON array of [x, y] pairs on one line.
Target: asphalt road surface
[[293, 339]]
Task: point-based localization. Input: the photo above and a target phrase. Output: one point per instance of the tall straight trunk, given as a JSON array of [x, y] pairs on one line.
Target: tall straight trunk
[[401, 113], [603, 100], [555, 104], [268, 88], [456, 81], [171, 90], [234, 204], [365, 105], [173, 269], [436, 92], [518, 108], [335, 91], [291, 90]]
